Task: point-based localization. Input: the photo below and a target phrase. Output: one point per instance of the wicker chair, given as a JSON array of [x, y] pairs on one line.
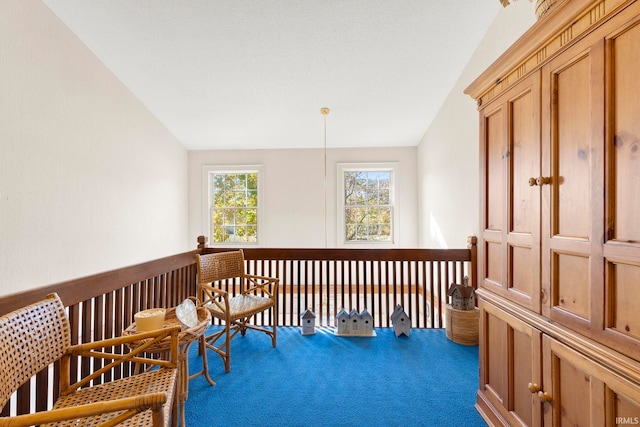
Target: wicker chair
[[257, 294], [34, 337]]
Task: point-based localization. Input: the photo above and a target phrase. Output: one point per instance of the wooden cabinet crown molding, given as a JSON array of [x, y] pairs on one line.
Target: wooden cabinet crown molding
[[566, 22]]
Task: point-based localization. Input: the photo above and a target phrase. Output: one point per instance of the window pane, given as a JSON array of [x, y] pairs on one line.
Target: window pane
[[367, 205], [252, 181], [350, 232], [252, 198], [234, 207], [239, 198], [252, 233], [252, 216]]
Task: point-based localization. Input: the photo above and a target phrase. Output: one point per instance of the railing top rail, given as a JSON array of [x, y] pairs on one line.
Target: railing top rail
[[307, 254], [84, 288]]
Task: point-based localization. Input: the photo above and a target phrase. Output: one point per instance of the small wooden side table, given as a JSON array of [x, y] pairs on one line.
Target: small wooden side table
[[186, 337]]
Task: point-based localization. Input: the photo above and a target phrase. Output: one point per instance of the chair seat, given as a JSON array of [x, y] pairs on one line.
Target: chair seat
[[242, 306], [147, 382]]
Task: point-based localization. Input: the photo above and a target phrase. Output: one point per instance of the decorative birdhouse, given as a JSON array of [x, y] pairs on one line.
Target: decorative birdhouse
[[366, 322], [400, 321], [308, 319], [354, 324], [463, 297], [342, 322]]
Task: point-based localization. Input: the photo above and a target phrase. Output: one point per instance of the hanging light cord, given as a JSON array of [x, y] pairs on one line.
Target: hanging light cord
[[325, 111]]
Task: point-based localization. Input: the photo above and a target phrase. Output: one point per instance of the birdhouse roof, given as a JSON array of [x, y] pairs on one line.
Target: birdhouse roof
[[465, 291], [308, 314], [399, 311], [365, 314], [342, 313]]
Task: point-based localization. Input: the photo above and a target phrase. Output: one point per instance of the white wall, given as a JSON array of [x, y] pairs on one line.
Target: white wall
[[295, 191], [89, 179], [448, 153]]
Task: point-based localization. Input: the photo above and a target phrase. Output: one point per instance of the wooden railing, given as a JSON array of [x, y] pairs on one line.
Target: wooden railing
[[99, 307], [328, 280], [324, 280]]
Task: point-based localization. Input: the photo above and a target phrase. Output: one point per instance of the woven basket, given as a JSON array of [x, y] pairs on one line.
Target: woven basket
[[462, 325], [542, 6]]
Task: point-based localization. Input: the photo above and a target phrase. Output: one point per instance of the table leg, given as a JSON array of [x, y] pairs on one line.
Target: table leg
[[202, 350], [183, 381]]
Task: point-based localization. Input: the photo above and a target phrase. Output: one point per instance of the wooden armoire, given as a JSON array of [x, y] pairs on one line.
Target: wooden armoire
[[559, 249]]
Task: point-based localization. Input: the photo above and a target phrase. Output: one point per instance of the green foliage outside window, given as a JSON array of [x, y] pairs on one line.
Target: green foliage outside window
[[368, 208], [234, 210]]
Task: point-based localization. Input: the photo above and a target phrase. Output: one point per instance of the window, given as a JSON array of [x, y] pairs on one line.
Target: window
[[367, 212], [233, 203]]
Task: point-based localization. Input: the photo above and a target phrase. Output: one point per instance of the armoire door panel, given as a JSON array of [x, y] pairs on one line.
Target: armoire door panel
[[494, 170], [510, 149], [523, 193], [511, 366], [573, 405], [624, 294], [524, 159], [623, 410], [494, 373], [583, 392], [521, 265], [570, 278], [525, 405], [571, 149], [572, 274], [576, 396], [622, 238], [625, 61], [493, 264]]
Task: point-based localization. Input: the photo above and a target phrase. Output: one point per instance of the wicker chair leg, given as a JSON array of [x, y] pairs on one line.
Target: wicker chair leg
[[227, 350], [275, 327]]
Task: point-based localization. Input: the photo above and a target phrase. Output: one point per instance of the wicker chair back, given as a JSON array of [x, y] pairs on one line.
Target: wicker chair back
[[31, 338]]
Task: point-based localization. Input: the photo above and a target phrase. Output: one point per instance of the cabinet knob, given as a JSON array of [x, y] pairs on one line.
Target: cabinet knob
[[542, 180], [544, 396], [534, 388], [539, 181]]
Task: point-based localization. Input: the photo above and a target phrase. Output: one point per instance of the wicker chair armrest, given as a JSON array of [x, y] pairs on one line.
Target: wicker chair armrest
[[214, 296], [212, 291], [256, 282], [158, 334], [148, 339], [132, 405]]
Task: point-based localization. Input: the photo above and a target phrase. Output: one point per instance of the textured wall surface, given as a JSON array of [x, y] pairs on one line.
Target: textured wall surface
[[89, 179]]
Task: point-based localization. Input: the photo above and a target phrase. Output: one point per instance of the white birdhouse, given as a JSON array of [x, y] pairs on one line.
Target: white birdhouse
[[401, 322], [342, 322], [366, 322], [308, 319], [354, 324]]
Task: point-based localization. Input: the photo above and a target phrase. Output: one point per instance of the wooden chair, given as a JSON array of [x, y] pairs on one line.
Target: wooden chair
[[256, 295], [34, 337]]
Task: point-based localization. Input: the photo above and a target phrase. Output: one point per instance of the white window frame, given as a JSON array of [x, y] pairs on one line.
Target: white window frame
[[393, 167], [209, 170]]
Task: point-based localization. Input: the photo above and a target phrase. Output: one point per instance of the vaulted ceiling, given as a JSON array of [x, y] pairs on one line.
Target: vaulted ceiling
[[246, 74]]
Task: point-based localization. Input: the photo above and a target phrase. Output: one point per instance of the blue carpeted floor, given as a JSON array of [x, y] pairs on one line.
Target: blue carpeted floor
[[324, 380]]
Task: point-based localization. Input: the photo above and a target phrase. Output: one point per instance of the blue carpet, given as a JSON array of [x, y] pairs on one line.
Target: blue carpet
[[324, 380]]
